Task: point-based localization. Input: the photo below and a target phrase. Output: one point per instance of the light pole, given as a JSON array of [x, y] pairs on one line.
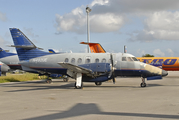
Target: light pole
[[88, 10], [125, 49]]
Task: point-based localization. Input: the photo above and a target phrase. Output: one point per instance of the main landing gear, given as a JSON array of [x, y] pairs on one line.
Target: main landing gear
[[143, 84], [48, 81], [79, 83], [79, 87], [65, 78], [98, 83]]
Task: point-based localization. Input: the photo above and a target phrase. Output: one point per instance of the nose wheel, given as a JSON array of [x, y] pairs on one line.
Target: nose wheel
[[143, 84]]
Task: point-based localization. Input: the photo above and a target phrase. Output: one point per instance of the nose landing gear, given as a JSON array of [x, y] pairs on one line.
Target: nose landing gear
[[143, 84]]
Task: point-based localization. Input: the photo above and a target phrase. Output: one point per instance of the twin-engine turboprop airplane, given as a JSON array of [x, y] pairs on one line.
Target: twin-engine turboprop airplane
[[84, 67]]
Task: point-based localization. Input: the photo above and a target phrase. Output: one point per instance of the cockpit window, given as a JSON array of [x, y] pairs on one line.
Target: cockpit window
[[135, 59], [129, 59], [124, 59]]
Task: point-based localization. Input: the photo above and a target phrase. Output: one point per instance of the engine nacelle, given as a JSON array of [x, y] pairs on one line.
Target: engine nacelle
[[154, 77], [98, 67], [55, 75], [3, 69], [97, 79]]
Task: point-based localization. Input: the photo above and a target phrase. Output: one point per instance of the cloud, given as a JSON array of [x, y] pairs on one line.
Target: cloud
[[132, 7], [1, 41], [3, 17], [158, 52], [140, 52], [14, 51], [170, 52], [76, 20], [163, 25], [160, 18], [73, 22], [29, 32]]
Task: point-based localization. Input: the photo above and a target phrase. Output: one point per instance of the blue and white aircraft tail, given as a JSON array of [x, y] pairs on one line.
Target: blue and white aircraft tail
[[84, 67], [25, 48], [9, 61]]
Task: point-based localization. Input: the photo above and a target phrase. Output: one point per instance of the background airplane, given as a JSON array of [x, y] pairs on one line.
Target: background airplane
[[3, 69], [10, 61], [166, 63], [84, 67]]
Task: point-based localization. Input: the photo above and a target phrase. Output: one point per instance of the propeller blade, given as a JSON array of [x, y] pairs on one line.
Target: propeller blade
[[112, 61], [114, 80], [113, 75]]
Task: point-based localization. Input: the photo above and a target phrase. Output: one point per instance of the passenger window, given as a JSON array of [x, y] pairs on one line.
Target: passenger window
[[124, 59], [79, 60], [73, 60], [103, 60], [66, 59], [87, 61], [96, 60]]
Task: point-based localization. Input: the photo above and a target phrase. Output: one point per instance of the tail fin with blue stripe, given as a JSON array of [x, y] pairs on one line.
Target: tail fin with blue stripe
[[4, 54], [51, 51], [25, 48]]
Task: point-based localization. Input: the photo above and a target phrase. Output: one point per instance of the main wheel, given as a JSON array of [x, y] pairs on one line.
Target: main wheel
[[49, 81], [98, 83], [143, 84], [65, 79]]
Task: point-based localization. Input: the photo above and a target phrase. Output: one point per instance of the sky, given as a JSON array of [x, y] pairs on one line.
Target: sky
[[144, 26]]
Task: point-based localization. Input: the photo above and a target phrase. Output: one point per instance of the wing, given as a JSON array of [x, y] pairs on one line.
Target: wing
[[75, 68]]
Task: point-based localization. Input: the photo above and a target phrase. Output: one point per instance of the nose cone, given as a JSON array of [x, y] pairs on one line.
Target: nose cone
[[164, 73], [155, 71]]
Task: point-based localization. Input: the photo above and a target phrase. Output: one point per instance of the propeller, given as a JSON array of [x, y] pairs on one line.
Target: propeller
[[112, 70]]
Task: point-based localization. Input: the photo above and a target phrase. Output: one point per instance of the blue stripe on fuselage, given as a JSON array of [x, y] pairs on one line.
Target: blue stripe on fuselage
[[52, 70]]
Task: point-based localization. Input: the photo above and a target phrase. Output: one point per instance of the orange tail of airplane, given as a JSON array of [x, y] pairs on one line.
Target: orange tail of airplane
[[95, 47]]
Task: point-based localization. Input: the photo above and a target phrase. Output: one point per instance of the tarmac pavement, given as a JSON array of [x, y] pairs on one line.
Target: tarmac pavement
[[125, 100]]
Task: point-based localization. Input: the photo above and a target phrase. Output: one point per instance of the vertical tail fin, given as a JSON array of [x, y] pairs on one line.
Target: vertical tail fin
[[25, 48], [3, 53], [51, 51], [95, 47]]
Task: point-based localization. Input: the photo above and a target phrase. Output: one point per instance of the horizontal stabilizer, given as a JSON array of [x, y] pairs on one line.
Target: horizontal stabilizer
[[25, 47], [154, 78], [75, 68]]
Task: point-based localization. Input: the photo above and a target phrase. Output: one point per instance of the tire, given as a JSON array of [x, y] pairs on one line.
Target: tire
[[98, 83]]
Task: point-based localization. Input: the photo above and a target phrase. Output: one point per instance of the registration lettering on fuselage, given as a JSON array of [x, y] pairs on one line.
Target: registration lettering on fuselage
[[38, 60]]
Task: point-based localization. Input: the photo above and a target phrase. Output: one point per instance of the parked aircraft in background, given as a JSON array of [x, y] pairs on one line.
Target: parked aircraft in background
[[166, 63], [84, 67], [3, 69], [95, 47], [10, 61]]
